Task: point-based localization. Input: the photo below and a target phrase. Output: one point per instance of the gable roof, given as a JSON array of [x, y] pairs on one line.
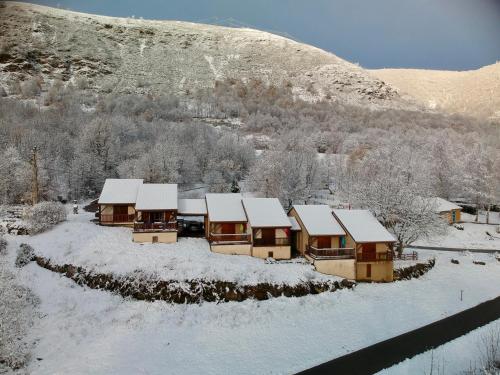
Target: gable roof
[[442, 205], [363, 226], [295, 224], [192, 207], [119, 191], [157, 197], [225, 207], [265, 212], [318, 220]]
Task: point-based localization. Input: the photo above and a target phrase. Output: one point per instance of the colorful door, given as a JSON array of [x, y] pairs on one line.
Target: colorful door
[[324, 242], [369, 252], [268, 236], [228, 228]]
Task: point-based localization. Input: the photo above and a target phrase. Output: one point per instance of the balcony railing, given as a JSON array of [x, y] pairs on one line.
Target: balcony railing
[[374, 257], [155, 227], [219, 238], [271, 242], [117, 218], [330, 253]]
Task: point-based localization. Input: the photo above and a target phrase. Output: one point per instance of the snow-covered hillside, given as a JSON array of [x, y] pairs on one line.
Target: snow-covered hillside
[[133, 55], [83, 331]]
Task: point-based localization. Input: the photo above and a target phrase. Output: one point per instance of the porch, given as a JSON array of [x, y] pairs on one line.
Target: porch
[[229, 238], [375, 256], [117, 218], [162, 226], [330, 253]]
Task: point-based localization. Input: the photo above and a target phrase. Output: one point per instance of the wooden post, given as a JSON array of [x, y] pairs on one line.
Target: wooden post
[[34, 186]]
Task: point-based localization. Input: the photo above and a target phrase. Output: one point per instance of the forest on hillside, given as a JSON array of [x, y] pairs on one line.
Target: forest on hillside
[[210, 138]]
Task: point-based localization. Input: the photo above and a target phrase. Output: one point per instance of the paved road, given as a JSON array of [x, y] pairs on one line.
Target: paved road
[[487, 251], [390, 352]]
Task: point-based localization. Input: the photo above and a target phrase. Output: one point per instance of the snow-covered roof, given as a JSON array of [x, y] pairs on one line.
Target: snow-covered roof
[[119, 191], [442, 205], [363, 226], [192, 207], [265, 212], [318, 220], [294, 223], [225, 207], [157, 197]]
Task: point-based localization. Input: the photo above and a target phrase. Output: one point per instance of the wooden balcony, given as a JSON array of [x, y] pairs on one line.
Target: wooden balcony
[[261, 242], [161, 226], [375, 257], [233, 238], [330, 253], [117, 218]]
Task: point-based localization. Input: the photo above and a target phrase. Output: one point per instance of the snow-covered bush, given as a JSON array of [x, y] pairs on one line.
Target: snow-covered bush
[[3, 245], [25, 254], [489, 347], [45, 215], [16, 316]]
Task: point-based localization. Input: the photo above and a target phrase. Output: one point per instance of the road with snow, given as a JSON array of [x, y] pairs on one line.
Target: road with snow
[[395, 350]]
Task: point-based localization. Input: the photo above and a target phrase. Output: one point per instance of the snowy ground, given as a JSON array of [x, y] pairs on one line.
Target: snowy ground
[[454, 357], [85, 331], [106, 249], [473, 236]]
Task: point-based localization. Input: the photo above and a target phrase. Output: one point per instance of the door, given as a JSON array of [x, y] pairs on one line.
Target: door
[[324, 242], [268, 236], [120, 214], [369, 252], [368, 271], [228, 228]]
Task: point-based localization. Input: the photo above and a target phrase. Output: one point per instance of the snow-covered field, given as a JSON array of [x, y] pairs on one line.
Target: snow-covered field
[[110, 249], [473, 236], [454, 357], [85, 331]]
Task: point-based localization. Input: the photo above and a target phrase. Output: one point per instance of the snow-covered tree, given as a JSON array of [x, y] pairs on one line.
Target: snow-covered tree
[[388, 182], [15, 176], [289, 176]]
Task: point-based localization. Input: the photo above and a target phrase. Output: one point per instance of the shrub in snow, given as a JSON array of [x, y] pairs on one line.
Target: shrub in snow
[[489, 347], [16, 316], [25, 254], [3, 246], [45, 215]]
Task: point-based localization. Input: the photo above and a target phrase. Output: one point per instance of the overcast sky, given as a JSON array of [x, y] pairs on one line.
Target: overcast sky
[[435, 34]]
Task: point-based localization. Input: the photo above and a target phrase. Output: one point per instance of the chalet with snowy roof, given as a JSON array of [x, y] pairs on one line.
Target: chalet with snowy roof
[[373, 244], [156, 213], [227, 224], [448, 210], [117, 201], [269, 228]]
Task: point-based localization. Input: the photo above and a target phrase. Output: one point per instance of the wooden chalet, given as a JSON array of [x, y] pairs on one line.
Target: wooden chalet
[[269, 228], [227, 224], [447, 210], [156, 213], [373, 244], [322, 240], [117, 201]]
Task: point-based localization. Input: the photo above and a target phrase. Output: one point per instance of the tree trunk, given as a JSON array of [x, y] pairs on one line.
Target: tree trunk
[[399, 248], [488, 214]]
